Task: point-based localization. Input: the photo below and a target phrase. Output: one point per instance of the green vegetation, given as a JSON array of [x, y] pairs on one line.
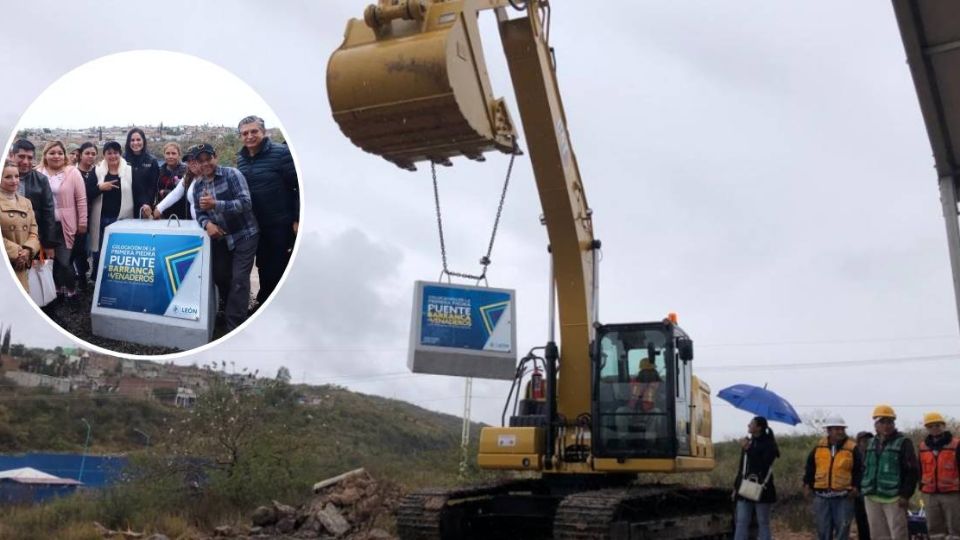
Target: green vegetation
[[238, 449], [38, 420], [232, 452]]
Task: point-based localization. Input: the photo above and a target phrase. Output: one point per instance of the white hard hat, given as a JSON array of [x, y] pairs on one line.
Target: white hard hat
[[834, 421]]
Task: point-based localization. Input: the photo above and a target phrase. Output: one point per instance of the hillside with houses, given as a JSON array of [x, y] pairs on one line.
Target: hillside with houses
[[223, 138]]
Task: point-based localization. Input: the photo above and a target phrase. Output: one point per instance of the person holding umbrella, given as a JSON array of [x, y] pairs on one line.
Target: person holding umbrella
[[889, 477], [753, 489], [757, 455], [832, 475]]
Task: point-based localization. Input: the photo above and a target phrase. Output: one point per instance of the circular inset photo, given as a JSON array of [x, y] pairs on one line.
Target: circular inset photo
[[149, 203]]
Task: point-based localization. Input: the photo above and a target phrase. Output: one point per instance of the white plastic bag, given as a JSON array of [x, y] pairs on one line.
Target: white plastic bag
[[42, 288]]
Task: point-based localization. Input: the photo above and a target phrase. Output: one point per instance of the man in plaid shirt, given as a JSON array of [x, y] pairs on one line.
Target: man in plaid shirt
[[224, 209]]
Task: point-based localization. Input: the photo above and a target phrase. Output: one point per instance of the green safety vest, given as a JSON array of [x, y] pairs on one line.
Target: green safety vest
[[881, 475]]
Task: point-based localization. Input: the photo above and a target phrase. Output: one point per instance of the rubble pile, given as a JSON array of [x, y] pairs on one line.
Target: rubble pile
[[351, 506]]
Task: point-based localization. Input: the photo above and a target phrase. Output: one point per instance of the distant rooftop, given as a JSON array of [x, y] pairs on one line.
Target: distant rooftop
[[28, 475]]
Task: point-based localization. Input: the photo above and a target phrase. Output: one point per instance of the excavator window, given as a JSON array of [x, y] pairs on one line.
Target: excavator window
[[635, 392]]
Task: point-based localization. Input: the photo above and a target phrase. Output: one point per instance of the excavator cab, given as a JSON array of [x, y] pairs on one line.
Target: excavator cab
[[409, 83], [641, 391]]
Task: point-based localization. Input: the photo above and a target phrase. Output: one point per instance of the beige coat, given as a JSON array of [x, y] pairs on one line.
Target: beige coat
[[19, 228]]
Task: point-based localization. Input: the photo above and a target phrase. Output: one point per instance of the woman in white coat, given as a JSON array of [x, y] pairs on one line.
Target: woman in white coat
[[114, 198]]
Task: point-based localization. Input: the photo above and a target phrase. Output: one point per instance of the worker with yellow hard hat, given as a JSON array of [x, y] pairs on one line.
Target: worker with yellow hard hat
[[940, 479], [890, 475], [832, 476]]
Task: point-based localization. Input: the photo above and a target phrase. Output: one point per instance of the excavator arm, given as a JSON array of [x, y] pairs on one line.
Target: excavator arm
[[410, 84]]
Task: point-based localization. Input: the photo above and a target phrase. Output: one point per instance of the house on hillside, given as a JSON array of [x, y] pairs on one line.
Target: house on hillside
[[9, 363], [186, 398], [154, 388], [59, 385], [28, 486], [102, 363]]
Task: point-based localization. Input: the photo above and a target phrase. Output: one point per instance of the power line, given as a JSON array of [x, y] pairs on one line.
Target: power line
[[827, 364], [831, 341]]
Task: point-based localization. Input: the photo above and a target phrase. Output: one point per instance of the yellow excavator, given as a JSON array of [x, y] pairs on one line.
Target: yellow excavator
[[409, 83]]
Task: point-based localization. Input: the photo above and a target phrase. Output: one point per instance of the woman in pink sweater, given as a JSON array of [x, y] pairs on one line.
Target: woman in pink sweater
[[70, 200]]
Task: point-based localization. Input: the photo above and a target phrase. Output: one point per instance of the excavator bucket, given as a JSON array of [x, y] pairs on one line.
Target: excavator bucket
[[410, 84]]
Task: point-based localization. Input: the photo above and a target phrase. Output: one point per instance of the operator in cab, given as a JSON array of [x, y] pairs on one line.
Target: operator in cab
[[645, 390]]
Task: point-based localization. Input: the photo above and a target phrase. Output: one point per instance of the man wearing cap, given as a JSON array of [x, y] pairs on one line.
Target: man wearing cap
[[940, 479], [223, 207], [832, 475], [890, 477]]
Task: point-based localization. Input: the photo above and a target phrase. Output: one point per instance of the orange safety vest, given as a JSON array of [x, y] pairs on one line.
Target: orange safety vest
[[834, 471], [940, 474]]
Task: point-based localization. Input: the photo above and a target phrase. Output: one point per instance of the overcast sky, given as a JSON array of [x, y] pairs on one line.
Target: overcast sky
[[759, 167], [186, 91]]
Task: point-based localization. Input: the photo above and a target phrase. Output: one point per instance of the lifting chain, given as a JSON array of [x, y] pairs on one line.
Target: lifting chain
[[485, 260]]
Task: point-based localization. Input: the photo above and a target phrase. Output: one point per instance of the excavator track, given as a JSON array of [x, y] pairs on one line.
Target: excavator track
[[529, 510], [660, 512], [457, 513]]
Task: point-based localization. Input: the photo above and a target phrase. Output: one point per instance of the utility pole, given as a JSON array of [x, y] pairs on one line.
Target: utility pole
[[465, 433], [86, 445]]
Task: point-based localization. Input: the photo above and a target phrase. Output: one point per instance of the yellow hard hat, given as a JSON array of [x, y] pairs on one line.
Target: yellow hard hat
[[933, 418], [884, 411], [646, 364]]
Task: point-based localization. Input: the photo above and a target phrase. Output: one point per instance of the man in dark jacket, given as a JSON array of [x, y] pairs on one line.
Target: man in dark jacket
[[832, 475], [890, 476], [272, 179], [36, 187]]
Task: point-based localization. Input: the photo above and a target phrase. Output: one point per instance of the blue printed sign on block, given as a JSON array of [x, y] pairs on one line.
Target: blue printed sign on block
[[466, 318], [146, 273], [463, 331]]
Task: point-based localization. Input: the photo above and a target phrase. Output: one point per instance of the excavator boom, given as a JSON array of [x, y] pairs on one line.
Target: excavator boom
[[409, 84]]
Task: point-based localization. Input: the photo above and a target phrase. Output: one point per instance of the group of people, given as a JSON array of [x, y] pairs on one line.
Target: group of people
[[871, 478], [60, 207]]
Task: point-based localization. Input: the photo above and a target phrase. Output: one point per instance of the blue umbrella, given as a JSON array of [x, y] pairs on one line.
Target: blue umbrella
[[761, 402]]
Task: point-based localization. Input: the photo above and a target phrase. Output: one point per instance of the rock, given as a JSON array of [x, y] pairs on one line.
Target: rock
[[347, 498], [158, 536], [283, 510], [287, 525], [366, 508], [333, 521], [255, 530], [264, 516], [312, 524], [377, 534], [223, 530]]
